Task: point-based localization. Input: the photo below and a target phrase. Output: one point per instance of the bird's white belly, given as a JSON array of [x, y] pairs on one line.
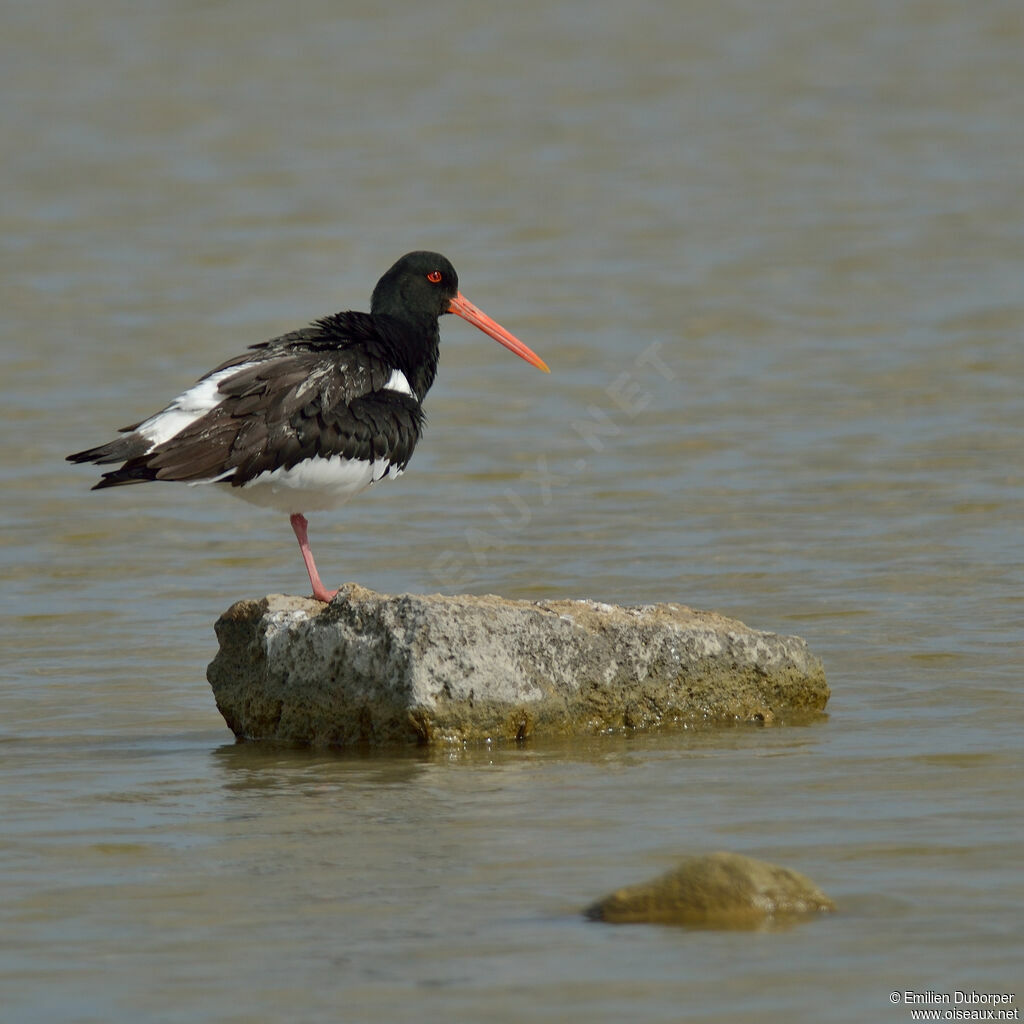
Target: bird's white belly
[[314, 485]]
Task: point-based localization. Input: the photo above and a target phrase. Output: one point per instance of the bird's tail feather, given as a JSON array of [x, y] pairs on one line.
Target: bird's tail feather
[[136, 472], [131, 450], [119, 450]]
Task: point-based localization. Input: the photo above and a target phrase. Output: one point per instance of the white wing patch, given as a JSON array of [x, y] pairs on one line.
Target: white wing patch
[[398, 382], [188, 407]]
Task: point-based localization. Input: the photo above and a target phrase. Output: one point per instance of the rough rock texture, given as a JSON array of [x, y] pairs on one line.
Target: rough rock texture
[[718, 890], [372, 668]]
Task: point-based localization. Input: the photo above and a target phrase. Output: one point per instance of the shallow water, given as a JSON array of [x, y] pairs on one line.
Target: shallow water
[[775, 264]]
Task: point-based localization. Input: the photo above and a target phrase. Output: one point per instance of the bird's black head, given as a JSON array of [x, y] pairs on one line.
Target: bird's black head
[[417, 289], [422, 286]]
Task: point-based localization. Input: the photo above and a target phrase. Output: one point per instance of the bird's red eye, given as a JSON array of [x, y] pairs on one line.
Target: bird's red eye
[[434, 276]]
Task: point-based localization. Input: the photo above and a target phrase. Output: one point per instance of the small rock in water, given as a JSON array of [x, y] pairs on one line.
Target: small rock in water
[[718, 890], [374, 669]]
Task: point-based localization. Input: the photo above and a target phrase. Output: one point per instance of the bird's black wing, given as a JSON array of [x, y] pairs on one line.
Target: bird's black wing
[[284, 410], [319, 391]]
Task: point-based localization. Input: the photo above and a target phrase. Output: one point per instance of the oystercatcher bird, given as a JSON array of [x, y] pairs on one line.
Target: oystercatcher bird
[[310, 419]]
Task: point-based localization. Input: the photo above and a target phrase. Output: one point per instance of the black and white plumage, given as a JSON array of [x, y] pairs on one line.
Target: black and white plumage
[[310, 419]]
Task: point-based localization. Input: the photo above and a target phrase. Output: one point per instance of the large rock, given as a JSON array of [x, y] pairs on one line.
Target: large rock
[[717, 890], [373, 668]]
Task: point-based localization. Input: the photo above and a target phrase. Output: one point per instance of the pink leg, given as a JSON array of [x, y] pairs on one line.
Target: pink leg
[[299, 525]]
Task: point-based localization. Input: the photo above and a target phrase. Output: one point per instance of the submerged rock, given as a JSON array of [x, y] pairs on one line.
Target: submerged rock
[[376, 669], [718, 890]]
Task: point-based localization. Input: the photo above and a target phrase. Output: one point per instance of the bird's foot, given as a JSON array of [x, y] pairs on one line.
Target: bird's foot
[[320, 593]]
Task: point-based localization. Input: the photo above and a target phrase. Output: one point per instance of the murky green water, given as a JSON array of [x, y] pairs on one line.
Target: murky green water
[[774, 257]]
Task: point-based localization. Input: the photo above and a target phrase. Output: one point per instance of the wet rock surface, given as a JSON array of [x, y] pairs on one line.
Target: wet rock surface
[[375, 669], [717, 890]]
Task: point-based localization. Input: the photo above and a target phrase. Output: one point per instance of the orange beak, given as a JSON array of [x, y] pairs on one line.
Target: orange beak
[[461, 306]]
